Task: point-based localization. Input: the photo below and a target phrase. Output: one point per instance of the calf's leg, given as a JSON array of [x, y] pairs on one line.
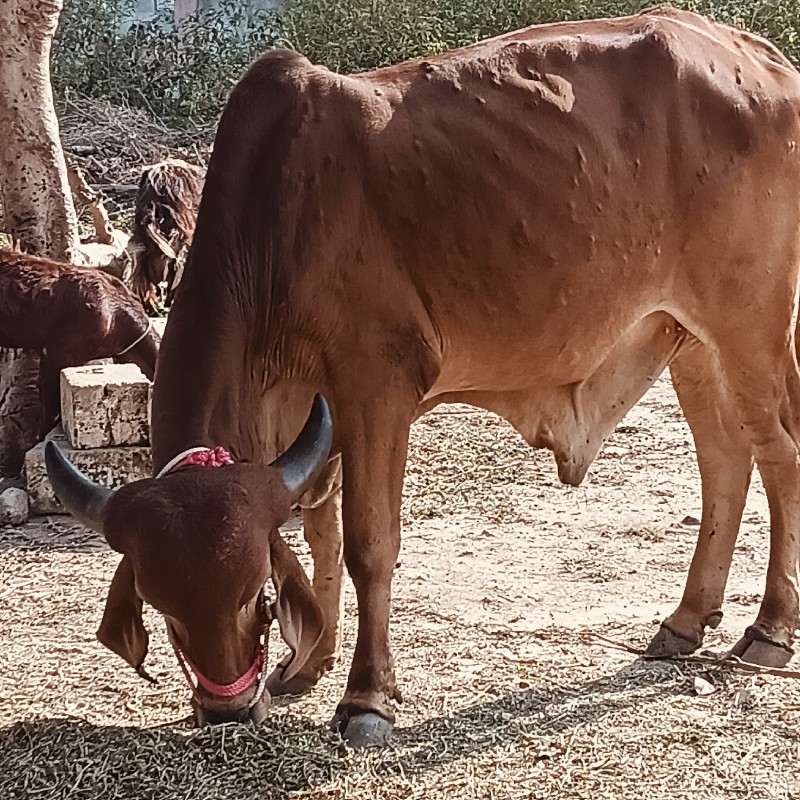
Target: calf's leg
[[49, 395]]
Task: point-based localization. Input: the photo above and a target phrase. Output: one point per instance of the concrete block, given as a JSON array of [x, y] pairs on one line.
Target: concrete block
[[105, 406], [109, 466], [13, 506]]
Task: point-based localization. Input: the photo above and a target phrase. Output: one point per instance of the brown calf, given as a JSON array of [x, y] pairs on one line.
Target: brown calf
[[70, 315]]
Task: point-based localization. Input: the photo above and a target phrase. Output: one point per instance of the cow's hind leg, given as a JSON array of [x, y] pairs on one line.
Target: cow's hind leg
[[725, 460], [322, 528], [763, 374]]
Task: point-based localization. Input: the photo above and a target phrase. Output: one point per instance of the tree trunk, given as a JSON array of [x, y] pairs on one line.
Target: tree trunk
[[33, 174], [34, 193], [20, 408]]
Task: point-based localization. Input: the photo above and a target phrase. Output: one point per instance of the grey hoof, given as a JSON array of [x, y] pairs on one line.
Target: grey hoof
[[761, 652], [367, 730], [667, 643]]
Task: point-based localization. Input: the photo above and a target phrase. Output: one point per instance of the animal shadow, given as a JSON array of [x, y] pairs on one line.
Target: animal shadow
[[60, 758], [533, 717]]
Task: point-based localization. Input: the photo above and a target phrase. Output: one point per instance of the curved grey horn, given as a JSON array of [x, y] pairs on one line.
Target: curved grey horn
[[304, 460], [85, 500]]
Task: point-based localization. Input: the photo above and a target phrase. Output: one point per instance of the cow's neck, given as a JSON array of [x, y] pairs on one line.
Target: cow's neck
[[202, 395], [217, 386]]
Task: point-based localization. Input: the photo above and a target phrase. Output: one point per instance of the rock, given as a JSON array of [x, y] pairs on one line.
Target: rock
[[109, 466], [17, 482], [105, 406], [13, 506]]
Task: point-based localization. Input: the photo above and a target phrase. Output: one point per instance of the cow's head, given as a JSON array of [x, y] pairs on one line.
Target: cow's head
[[165, 213], [198, 545]]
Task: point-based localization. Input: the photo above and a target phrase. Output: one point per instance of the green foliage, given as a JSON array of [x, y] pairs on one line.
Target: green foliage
[[185, 76], [182, 77]]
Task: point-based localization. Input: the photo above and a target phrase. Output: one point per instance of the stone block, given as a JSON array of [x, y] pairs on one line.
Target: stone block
[[105, 406], [13, 506], [109, 466]]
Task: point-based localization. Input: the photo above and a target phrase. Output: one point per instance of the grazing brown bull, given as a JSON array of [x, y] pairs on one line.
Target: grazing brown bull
[[163, 225], [537, 225], [70, 315]]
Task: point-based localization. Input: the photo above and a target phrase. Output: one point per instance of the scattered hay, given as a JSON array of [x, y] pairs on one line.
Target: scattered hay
[[478, 462], [496, 705]]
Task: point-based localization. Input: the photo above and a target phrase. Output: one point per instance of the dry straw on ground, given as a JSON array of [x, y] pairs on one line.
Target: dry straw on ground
[[500, 700]]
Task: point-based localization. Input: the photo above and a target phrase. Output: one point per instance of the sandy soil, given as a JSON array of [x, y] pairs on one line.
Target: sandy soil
[[506, 582]]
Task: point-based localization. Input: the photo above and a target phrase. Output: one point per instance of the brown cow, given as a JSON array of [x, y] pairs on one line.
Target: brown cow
[[70, 315], [165, 212], [537, 225]]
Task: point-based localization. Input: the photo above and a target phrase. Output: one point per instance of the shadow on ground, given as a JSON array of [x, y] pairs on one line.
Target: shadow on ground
[[57, 758], [532, 716]]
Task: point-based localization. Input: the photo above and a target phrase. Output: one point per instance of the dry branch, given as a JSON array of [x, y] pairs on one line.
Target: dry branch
[[725, 660], [730, 661], [93, 201]]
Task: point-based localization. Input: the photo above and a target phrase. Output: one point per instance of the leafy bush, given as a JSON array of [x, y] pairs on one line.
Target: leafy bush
[[183, 77]]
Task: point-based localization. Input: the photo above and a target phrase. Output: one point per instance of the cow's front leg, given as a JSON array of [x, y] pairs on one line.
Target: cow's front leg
[[374, 446], [322, 528]]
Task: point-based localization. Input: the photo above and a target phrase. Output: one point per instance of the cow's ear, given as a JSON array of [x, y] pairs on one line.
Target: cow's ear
[[296, 607], [122, 629]]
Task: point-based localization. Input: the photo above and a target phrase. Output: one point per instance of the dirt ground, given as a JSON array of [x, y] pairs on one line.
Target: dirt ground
[[507, 582]]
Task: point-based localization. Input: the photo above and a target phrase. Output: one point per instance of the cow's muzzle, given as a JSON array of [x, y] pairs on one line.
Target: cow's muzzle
[[244, 699], [256, 712]]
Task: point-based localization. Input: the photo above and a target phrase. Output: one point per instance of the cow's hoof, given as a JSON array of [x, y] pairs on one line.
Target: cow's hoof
[[277, 686], [755, 648], [667, 643], [367, 730]]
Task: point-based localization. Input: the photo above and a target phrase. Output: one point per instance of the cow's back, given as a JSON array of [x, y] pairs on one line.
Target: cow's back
[[555, 184], [525, 182]]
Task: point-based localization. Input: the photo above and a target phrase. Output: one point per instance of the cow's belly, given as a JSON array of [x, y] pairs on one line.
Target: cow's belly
[[571, 407], [512, 352]]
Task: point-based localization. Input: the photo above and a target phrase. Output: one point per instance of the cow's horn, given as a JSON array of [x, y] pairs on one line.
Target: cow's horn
[[85, 500], [304, 460]]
